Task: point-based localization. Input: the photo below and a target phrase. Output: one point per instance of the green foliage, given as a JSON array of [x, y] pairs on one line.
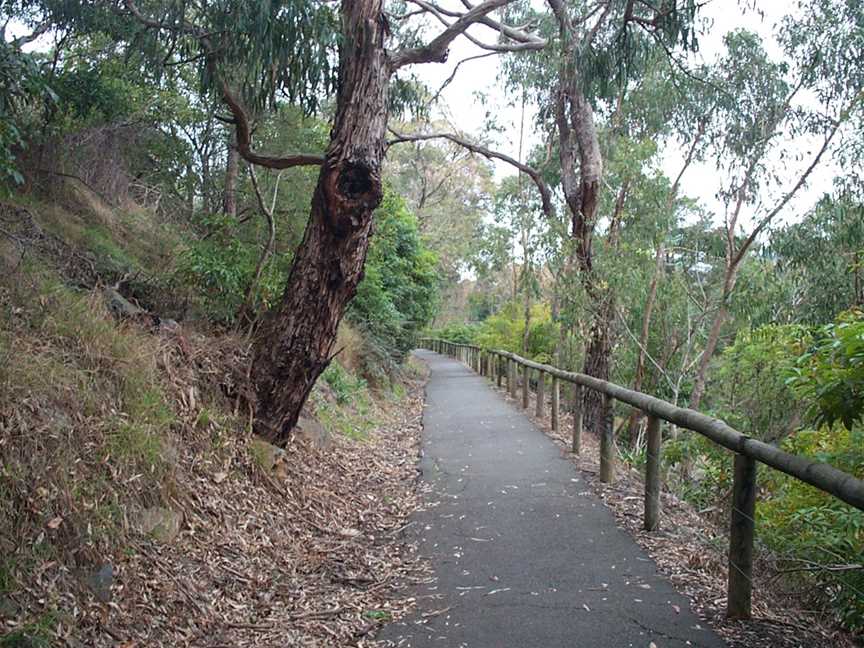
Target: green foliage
[[266, 49], [97, 94], [343, 384], [351, 413], [830, 375], [812, 530], [398, 294], [750, 390], [506, 330], [220, 266], [22, 87], [456, 333], [822, 256], [708, 468]]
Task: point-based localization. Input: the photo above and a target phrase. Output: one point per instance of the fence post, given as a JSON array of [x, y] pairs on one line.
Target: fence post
[[511, 377], [577, 419], [526, 384], [652, 474], [541, 393], [741, 539], [607, 443], [500, 370], [556, 397]]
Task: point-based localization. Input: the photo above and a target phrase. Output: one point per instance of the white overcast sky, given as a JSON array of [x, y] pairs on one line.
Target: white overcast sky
[[468, 113]]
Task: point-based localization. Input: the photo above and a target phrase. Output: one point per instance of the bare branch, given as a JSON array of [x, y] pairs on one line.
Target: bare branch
[[802, 179], [436, 50], [516, 34], [453, 75], [241, 119], [244, 140], [439, 13], [542, 187]]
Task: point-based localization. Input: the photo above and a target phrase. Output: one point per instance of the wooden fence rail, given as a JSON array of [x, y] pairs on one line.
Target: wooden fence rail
[[504, 366]]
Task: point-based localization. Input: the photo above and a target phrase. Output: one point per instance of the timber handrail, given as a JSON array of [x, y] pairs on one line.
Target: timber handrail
[[821, 475]]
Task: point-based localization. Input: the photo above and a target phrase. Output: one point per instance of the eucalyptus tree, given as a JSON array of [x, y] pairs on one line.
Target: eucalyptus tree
[[823, 256], [594, 50], [302, 49], [759, 117]]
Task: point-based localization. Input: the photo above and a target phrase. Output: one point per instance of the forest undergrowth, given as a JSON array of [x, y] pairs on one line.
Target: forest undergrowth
[[138, 508]]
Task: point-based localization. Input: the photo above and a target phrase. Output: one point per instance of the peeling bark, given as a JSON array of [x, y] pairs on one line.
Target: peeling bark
[[295, 342]]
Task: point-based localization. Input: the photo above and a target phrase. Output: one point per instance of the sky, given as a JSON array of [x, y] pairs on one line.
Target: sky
[[474, 95], [468, 112]]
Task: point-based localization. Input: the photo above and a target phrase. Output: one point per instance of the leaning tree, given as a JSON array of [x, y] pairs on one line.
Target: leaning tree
[[247, 52]]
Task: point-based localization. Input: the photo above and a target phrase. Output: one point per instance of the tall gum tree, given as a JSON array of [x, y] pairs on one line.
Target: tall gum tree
[[296, 341], [758, 118], [594, 48], [248, 50]]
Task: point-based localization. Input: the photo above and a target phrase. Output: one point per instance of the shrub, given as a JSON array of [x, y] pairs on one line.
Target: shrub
[[399, 291]]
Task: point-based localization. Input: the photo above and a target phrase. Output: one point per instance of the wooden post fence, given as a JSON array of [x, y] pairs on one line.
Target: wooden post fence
[[541, 396], [748, 451], [607, 442], [556, 397], [577, 419], [652, 475], [741, 531]]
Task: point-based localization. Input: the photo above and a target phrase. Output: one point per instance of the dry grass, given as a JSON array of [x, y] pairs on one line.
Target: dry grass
[[100, 421]]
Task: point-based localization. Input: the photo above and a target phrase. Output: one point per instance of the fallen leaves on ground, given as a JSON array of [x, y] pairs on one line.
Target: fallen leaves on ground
[[311, 559]]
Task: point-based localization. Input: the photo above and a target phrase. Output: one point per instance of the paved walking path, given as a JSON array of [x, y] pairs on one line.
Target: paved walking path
[[524, 553]]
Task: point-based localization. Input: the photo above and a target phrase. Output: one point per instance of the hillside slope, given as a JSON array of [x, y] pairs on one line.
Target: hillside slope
[[137, 508]]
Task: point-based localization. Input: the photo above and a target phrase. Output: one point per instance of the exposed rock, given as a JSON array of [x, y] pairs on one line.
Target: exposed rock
[[161, 523], [272, 460], [313, 433], [100, 581], [121, 306]]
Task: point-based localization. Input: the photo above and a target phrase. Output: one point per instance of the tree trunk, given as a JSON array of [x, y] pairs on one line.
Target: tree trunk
[[295, 342], [190, 189], [644, 335], [597, 353], [733, 262], [707, 354], [206, 203], [232, 167]]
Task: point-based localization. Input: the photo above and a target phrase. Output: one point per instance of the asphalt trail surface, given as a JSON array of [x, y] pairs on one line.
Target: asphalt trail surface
[[524, 553]]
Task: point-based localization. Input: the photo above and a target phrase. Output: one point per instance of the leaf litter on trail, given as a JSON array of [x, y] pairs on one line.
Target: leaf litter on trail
[[312, 558]]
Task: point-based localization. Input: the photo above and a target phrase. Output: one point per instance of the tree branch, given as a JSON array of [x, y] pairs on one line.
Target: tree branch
[[453, 75], [241, 119], [513, 33], [244, 140], [787, 197], [542, 187], [436, 50]]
